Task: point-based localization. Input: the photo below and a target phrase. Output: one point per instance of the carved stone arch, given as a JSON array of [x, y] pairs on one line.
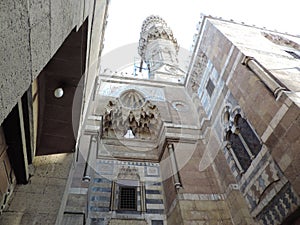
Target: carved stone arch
[[236, 119], [180, 106], [226, 123], [225, 134], [246, 131], [225, 115], [236, 111]]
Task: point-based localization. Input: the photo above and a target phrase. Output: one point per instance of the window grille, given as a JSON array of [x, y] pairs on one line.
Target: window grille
[[127, 198]]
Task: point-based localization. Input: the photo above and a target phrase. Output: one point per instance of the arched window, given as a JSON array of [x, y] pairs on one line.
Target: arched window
[[242, 142], [248, 135], [239, 150]]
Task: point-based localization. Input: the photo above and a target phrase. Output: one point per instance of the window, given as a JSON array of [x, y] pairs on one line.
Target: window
[[239, 150], [248, 135], [243, 143], [127, 198], [210, 87], [157, 222]]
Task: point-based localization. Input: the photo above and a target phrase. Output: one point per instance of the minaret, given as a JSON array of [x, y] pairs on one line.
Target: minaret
[[159, 49]]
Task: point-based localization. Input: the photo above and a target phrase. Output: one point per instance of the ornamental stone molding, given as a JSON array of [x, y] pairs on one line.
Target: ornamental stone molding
[[128, 172], [180, 106], [198, 70]]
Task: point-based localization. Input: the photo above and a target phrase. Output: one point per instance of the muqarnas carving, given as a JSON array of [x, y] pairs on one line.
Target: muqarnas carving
[[131, 113]]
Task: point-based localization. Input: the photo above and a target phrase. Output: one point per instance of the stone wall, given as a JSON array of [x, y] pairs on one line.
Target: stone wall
[[94, 188], [31, 34], [205, 211], [39, 201], [278, 135], [270, 48], [236, 90]]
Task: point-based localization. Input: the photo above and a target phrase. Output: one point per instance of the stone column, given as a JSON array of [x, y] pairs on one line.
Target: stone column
[[176, 177]]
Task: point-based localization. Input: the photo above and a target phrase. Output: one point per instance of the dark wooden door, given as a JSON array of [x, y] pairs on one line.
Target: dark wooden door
[[7, 179]]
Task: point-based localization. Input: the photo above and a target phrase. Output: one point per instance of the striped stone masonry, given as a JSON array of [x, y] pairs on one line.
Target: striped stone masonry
[[105, 186]]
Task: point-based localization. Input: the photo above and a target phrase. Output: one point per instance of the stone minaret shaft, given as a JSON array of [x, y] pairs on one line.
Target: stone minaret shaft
[[157, 45]]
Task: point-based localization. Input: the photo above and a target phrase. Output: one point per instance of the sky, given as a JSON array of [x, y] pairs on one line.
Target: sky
[[125, 17]]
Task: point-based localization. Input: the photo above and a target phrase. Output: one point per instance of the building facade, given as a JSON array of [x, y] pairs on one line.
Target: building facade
[[216, 144], [246, 81]]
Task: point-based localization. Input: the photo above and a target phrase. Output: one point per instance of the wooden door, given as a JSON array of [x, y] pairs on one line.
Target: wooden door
[[7, 179]]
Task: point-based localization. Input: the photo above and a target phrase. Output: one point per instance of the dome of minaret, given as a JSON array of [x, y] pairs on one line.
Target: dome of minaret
[[152, 21]]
